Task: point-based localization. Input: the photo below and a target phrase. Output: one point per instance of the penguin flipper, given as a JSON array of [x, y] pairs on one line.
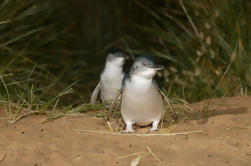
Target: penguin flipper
[[169, 103], [114, 100], [95, 93]]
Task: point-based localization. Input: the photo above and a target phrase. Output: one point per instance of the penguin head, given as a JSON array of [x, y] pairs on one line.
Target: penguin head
[[116, 57], [145, 68]]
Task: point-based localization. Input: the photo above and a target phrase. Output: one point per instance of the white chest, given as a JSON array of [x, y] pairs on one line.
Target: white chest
[[141, 101], [111, 81], [139, 86], [112, 77]]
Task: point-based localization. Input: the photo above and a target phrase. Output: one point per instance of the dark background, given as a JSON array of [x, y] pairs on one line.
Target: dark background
[[46, 46]]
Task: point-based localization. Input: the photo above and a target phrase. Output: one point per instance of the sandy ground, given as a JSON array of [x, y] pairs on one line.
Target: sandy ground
[[225, 140]]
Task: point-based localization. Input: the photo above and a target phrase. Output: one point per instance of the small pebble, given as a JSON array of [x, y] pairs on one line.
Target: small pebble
[[22, 132]]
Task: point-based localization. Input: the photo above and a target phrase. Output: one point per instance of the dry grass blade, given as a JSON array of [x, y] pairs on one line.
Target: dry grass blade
[[140, 135], [3, 156], [4, 22], [162, 119], [131, 155], [113, 104], [136, 161], [171, 127], [109, 125], [168, 130], [169, 103], [140, 155], [119, 123], [150, 151]]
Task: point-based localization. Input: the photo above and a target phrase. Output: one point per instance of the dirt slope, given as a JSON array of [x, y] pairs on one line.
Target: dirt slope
[[225, 141]]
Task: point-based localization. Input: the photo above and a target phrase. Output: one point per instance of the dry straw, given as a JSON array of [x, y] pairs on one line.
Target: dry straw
[[140, 135]]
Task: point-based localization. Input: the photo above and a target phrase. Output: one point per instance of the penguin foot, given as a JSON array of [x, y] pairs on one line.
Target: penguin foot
[[155, 126], [129, 128]]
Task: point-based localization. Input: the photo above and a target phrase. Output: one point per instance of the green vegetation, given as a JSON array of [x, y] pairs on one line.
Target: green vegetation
[[206, 47], [51, 52]]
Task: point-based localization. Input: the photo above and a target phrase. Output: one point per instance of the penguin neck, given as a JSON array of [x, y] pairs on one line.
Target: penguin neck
[[113, 69], [141, 82]]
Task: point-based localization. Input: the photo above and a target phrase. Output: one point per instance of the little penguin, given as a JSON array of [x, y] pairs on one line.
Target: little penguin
[[112, 76], [142, 102]]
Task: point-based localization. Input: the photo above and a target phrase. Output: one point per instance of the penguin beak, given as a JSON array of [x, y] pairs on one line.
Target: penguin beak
[[157, 67]]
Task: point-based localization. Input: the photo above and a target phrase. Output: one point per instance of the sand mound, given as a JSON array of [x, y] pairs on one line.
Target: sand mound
[[225, 140]]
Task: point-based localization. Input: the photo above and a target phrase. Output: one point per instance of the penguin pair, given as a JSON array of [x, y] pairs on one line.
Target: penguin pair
[[141, 99]]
